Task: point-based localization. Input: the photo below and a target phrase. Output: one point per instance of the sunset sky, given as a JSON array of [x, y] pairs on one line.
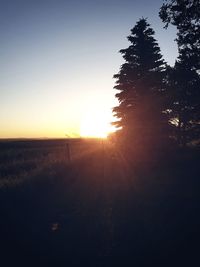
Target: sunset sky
[[58, 57]]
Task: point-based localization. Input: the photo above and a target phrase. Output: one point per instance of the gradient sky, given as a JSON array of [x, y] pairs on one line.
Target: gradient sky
[[58, 57]]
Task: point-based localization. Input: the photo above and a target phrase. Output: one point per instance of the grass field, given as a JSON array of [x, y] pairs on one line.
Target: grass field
[[88, 204]]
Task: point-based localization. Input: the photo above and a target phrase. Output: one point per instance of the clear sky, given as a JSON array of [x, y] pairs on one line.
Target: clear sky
[[58, 57]]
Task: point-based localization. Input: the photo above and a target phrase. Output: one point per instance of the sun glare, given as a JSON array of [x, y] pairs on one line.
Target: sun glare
[[95, 125]]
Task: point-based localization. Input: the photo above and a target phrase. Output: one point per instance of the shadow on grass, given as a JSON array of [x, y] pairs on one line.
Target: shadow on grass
[[75, 215]]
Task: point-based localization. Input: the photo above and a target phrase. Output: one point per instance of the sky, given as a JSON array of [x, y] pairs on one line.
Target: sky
[[58, 58]]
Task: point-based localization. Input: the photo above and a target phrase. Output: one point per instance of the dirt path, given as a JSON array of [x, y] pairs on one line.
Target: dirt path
[[107, 191]]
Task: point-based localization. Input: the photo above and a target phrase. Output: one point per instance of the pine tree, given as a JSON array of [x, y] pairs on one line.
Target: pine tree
[[184, 79], [140, 117], [185, 15], [183, 85]]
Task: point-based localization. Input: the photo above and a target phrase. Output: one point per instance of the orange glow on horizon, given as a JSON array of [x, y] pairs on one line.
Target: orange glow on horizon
[[95, 125]]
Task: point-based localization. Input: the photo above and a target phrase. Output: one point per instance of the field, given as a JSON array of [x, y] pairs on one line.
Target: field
[[85, 203]]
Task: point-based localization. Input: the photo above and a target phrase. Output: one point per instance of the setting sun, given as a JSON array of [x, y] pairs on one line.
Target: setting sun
[[95, 124]]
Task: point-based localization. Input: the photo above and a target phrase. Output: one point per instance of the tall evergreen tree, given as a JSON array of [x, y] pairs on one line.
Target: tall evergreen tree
[[184, 79], [185, 15], [183, 85], [140, 115]]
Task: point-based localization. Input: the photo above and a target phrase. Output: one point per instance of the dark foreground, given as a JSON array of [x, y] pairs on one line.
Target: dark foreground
[[96, 208]]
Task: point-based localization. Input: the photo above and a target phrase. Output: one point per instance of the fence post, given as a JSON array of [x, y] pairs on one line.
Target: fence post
[[103, 157], [68, 152]]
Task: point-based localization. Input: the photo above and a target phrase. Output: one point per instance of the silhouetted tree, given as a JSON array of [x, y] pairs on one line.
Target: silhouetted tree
[[184, 80], [184, 105], [185, 15], [140, 117]]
